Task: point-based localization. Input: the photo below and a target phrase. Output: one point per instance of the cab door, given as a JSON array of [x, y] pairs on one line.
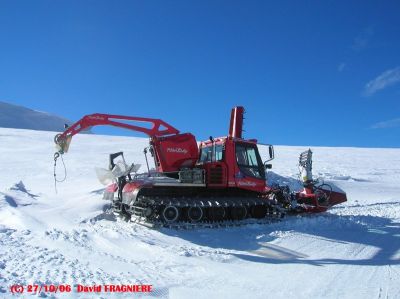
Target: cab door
[[212, 160], [251, 170]]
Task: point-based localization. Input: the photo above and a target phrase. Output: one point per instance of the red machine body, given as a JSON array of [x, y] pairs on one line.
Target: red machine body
[[228, 162], [172, 153], [228, 167]]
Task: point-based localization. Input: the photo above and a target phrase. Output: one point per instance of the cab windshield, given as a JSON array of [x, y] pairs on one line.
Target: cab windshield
[[249, 160]]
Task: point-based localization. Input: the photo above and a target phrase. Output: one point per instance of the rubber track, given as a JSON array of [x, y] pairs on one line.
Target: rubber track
[[274, 214]]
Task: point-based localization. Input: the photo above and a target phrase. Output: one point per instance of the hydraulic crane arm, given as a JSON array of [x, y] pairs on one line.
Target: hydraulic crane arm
[[158, 127]]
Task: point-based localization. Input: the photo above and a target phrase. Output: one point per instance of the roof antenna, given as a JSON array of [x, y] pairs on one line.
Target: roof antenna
[[213, 149]]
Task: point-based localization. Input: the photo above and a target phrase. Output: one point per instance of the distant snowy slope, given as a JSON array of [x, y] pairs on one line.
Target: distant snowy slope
[[19, 117]]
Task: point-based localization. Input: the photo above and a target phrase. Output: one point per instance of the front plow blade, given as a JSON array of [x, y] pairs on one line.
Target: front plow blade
[[336, 197]]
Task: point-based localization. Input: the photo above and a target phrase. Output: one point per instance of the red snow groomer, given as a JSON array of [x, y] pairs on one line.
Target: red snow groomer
[[221, 181]]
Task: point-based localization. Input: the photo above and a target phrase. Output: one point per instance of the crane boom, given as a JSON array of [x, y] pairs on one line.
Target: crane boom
[[158, 128]]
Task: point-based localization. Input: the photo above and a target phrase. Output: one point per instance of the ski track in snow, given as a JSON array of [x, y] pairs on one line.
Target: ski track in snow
[[352, 251]]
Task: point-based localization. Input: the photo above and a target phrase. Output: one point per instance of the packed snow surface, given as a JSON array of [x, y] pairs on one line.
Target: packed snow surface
[[352, 251]]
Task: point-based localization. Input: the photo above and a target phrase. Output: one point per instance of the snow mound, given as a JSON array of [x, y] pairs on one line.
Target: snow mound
[[16, 196], [340, 177]]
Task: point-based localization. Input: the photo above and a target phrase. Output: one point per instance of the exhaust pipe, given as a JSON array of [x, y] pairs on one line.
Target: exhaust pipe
[[236, 123]]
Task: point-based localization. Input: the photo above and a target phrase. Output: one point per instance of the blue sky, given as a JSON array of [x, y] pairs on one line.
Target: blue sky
[[308, 72]]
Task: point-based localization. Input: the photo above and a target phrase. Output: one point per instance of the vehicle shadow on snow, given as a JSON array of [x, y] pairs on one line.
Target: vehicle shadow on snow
[[253, 242]]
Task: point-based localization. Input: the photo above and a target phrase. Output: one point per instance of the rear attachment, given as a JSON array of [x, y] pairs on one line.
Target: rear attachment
[[316, 196]]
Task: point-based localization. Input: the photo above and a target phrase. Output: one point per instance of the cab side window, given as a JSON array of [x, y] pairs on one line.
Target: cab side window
[[207, 154]]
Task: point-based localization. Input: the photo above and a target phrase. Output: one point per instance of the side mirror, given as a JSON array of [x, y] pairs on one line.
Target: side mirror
[[268, 166], [271, 152]]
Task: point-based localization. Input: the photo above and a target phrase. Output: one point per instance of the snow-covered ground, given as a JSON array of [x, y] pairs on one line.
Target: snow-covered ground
[[353, 251]]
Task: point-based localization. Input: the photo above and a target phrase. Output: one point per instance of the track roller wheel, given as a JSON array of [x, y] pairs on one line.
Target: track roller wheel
[[216, 213], [258, 211], [170, 213], [238, 213], [116, 207], [148, 212], [194, 214], [270, 210]]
